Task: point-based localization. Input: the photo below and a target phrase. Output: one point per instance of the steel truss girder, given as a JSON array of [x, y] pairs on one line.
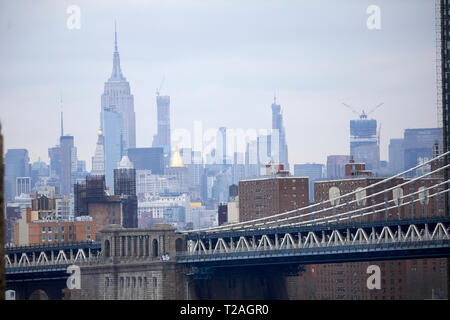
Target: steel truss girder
[[321, 239]]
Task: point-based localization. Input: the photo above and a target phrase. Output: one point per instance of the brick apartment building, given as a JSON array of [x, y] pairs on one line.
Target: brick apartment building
[[270, 195], [31, 230]]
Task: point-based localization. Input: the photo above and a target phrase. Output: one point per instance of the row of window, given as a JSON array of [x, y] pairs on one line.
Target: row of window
[[55, 237], [55, 229]]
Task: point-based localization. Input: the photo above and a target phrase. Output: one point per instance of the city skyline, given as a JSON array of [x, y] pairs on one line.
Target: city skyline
[[244, 88]]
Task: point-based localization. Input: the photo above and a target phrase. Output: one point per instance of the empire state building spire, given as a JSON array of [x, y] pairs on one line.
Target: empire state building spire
[[116, 72]]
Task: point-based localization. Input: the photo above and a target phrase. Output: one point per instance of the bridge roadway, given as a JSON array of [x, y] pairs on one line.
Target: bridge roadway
[[338, 243], [36, 262], [381, 240]]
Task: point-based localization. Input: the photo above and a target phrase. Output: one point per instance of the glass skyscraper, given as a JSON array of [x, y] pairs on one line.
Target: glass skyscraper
[[16, 165], [278, 127], [418, 145], [113, 144], [364, 145], [162, 137]]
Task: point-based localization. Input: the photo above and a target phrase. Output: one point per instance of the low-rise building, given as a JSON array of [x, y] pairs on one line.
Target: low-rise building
[[32, 230]]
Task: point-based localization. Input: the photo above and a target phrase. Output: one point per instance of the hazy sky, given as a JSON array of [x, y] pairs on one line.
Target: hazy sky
[[222, 62]]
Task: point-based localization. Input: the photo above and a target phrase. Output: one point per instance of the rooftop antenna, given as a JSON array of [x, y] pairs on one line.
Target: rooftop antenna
[[115, 35], [362, 115]]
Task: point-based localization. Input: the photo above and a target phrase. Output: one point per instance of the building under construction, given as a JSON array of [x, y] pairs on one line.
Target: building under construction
[[92, 199]]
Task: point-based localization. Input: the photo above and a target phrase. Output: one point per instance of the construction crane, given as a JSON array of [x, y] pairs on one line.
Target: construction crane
[[362, 115], [160, 87]]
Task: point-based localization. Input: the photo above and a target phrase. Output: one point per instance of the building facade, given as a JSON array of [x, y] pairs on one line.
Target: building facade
[[396, 156], [16, 165], [68, 164], [314, 171], [364, 144], [98, 161], [112, 129], [264, 197], [279, 136], [162, 137], [336, 166], [418, 145], [147, 159]]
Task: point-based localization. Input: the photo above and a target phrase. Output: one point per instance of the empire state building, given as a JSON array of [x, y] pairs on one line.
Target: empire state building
[[117, 98]]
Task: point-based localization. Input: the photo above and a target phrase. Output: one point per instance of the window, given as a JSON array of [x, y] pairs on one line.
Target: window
[[89, 236], [56, 236], [49, 237], [49, 229], [62, 229], [43, 238], [70, 237], [88, 228], [56, 230], [62, 237], [43, 229]]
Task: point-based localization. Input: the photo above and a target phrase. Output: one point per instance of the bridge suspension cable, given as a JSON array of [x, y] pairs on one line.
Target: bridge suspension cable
[[265, 221], [266, 224]]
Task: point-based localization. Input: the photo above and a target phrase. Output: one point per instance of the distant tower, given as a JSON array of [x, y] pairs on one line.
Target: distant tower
[[16, 165], [68, 164], [125, 187], [112, 130], [364, 145], [117, 96], [125, 178], [277, 125], [162, 138], [221, 146], [98, 161], [62, 119]]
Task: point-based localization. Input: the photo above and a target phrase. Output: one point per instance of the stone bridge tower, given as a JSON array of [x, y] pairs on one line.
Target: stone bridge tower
[[136, 264]]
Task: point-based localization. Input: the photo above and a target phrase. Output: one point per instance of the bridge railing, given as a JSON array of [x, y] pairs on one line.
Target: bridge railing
[[61, 256], [393, 235]]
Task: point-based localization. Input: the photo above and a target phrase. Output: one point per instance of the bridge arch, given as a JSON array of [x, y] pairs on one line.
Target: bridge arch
[[147, 246], [155, 247], [107, 246]]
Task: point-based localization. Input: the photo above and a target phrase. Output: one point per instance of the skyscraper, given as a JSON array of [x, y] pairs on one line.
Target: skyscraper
[[55, 161], [117, 96], [16, 165], [147, 159], [278, 127], [112, 130], [336, 165], [125, 187], [314, 171], [396, 156], [364, 145], [68, 164], [98, 161], [221, 147], [418, 145], [125, 178], [162, 137]]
